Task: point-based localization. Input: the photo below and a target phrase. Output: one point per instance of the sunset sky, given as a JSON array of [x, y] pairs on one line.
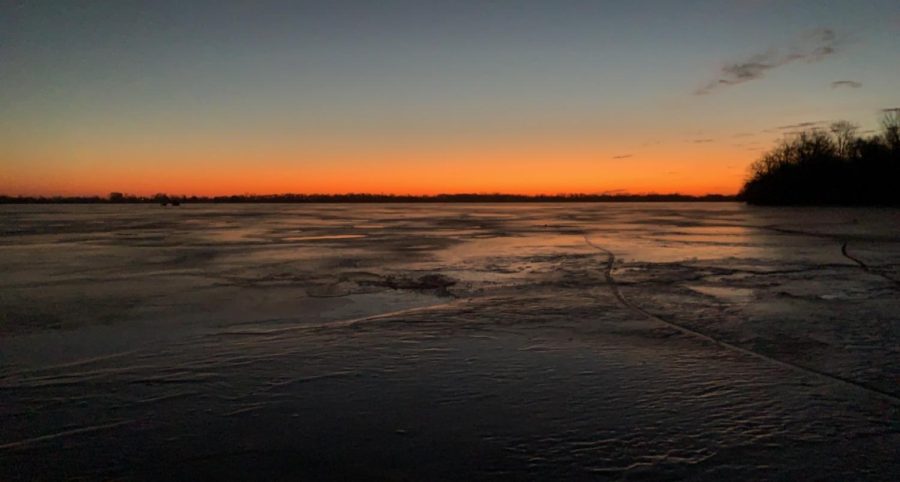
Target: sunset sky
[[526, 96]]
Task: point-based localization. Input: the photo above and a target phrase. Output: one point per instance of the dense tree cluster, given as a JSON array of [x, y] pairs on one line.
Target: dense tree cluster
[[834, 166]]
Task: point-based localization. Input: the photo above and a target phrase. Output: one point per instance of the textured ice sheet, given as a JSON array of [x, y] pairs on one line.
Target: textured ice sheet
[[276, 342]]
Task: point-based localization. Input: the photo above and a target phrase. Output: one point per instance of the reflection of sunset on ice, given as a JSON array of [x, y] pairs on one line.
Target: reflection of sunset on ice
[[364, 341]]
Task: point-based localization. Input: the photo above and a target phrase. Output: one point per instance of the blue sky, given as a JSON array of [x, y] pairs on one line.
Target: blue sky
[[88, 86]]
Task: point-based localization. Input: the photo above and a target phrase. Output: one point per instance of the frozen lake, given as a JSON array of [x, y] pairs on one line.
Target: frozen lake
[[449, 341]]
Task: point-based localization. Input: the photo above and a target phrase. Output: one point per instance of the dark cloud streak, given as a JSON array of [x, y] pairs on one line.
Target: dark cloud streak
[[802, 125], [812, 47], [846, 83]]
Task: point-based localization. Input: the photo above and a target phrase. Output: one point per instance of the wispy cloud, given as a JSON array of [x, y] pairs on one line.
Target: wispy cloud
[[890, 109], [702, 141], [846, 83], [811, 47], [801, 125], [623, 156]]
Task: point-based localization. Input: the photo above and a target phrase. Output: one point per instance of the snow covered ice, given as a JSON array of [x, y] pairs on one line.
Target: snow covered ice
[[449, 341]]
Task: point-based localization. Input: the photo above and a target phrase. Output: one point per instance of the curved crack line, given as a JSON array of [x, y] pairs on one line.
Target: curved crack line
[[864, 266], [614, 288], [66, 433], [350, 322], [843, 239], [854, 258]]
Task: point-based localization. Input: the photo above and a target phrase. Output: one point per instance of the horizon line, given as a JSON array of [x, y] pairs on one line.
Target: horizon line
[[351, 197]]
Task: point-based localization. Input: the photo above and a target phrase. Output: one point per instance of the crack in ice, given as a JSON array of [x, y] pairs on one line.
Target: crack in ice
[[614, 288]]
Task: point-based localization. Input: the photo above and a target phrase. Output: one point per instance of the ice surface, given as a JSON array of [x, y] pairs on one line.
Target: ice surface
[[523, 341]]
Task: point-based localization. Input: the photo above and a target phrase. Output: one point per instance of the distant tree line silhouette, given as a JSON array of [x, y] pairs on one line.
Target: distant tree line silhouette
[[167, 199], [830, 167]]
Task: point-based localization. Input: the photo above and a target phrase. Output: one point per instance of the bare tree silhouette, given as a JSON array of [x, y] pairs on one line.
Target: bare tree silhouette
[[830, 167], [844, 136]]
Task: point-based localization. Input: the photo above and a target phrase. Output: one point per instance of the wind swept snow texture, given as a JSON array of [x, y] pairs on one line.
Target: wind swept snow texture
[[436, 342]]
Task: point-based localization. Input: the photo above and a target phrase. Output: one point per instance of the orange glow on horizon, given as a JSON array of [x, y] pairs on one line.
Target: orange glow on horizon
[[449, 97], [694, 170]]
